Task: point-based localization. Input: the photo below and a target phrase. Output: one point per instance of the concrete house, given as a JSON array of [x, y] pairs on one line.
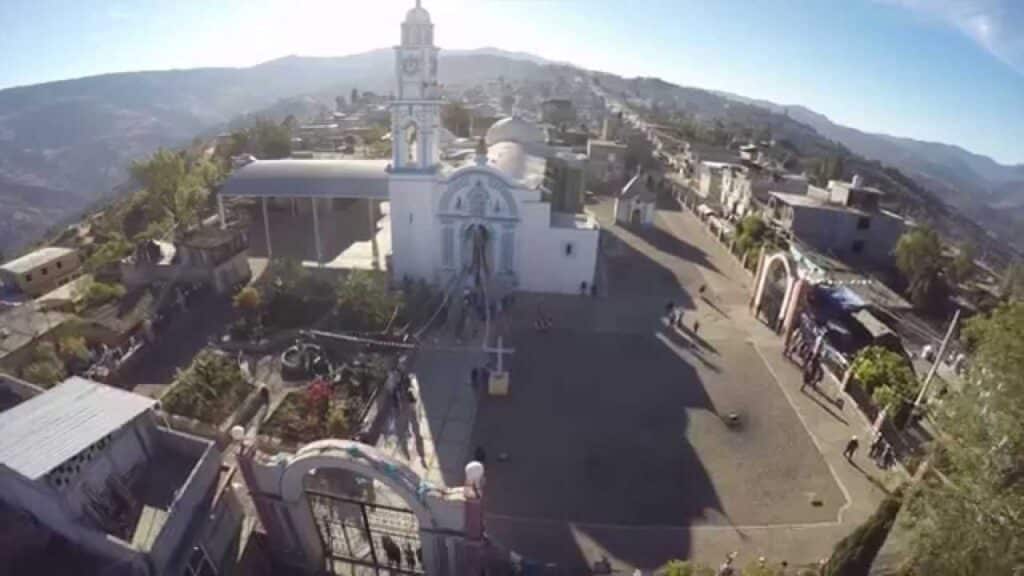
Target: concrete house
[[636, 204], [91, 464], [40, 271], [844, 220]]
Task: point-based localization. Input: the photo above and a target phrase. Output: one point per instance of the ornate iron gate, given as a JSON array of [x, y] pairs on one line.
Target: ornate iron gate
[[365, 538]]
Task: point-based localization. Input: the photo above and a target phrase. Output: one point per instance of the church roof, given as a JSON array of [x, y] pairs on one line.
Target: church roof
[[639, 187], [515, 129], [418, 15], [293, 178]]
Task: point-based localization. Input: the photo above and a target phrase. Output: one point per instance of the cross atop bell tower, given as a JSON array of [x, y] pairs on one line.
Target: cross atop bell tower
[[415, 113]]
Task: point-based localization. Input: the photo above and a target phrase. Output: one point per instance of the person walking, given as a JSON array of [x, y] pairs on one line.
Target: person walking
[[851, 448], [876, 447]]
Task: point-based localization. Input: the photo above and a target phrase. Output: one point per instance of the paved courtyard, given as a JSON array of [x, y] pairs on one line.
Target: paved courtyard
[[615, 442]]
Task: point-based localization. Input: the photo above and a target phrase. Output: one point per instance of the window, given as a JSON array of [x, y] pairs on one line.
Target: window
[[569, 249], [43, 270], [857, 247], [59, 264], [863, 223], [28, 277]]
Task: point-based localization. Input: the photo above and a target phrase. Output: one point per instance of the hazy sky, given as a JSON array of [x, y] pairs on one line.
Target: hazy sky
[[945, 70]]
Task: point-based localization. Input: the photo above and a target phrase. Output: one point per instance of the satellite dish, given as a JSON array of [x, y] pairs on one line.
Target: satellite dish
[[237, 432]]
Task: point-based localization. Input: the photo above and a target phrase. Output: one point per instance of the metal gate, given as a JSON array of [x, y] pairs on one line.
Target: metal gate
[[365, 538]]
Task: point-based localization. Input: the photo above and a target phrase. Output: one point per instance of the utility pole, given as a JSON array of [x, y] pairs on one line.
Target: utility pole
[[938, 359]]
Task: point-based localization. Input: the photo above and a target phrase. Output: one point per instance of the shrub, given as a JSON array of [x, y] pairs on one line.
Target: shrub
[[885, 375], [73, 348], [685, 568], [45, 374], [337, 423]]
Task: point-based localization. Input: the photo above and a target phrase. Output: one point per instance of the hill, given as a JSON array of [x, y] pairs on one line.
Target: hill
[[66, 144]]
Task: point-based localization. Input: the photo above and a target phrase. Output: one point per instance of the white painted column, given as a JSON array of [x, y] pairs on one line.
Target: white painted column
[[220, 211], [375, 250], [266, 228], [316, 234]]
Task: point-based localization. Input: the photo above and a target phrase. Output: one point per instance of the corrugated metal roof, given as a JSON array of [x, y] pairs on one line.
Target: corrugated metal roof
[[293, 178], [43, 432], [35, 259]]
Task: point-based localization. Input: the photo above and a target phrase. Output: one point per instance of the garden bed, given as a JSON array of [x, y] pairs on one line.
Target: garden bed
[[209, 390], [329, 408]]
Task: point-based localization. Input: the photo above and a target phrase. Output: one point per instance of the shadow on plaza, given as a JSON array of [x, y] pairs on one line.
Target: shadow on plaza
[[594, 434], [342, 223]]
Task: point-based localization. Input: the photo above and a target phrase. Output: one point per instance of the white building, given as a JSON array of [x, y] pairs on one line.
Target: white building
[[635, 205], [484, 222]]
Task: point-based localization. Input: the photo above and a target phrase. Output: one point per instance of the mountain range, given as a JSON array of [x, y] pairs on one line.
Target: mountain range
[[64, 145]]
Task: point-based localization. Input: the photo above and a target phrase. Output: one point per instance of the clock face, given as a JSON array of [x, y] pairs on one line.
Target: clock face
[[410, 65]]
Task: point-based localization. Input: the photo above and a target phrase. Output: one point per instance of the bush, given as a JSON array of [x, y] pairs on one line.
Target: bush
[[364, 303], [337, 423], [73, 348], [685, 568], [248, 300]]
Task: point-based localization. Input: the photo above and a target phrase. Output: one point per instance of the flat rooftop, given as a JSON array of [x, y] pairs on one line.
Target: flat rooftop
[[35, 259], [43, 432]]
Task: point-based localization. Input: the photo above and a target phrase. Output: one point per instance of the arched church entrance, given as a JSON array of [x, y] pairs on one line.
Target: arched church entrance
[[477, 252], [774, 290]]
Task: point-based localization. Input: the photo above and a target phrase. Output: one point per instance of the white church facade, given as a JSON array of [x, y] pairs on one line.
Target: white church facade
[[485, 222]]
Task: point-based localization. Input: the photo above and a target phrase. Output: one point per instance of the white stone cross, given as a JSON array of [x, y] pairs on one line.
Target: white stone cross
[[500, 351]]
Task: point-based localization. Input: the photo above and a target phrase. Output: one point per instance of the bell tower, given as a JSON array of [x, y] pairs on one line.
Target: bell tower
[[415, 114]]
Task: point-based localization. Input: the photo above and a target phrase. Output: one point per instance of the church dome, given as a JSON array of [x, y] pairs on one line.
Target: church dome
[[417, 15], [514, 129]]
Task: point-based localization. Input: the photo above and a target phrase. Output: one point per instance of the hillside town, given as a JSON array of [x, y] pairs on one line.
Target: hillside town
[[519, 327]]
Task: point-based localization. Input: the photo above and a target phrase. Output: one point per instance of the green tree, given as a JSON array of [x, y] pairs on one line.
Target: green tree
[[46, 367], [968, 512], [751, 233], [455, 117], [172, 190], [363, 302], [73, 348], [919, 258], [107, 253], [853, 555], [99, 293], [962, 267], [885, 375]]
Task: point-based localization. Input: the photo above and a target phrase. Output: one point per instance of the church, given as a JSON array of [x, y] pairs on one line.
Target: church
[[486, 222]]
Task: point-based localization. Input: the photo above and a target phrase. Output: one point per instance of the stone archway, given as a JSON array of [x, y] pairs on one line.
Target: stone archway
[[279, 489], [768, 278]]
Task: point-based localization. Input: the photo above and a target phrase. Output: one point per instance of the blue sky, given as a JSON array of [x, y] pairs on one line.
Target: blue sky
[[944, 70]]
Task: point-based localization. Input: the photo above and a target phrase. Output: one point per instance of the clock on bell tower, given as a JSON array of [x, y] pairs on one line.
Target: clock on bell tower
[[415, 113]]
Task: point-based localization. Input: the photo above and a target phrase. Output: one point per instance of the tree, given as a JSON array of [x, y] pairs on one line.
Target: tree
[[962, 267], [363, 302], [968, 512], [99, 293], [455, 117], [172, 190], [853, 555], [751, 233], [46, 368], [885, 375], [248, 300], [73, 349], [919, 258]]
